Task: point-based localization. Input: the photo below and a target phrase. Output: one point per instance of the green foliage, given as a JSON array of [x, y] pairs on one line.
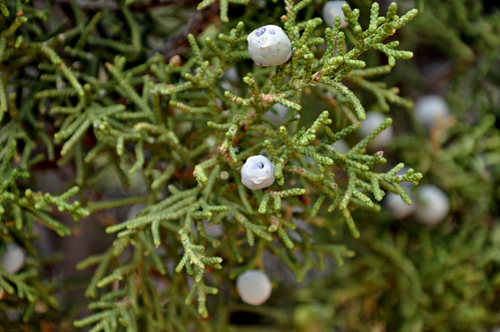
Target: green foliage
[[439, 280], [19, 212], [445, 279]]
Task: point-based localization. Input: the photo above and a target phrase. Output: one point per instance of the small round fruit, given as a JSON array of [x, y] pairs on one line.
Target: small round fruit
[[13, 258], [269, 46], [332, 9], [395, 204], [257, 173], [429, 109], [277, 114], [398, 209], [341, 146], [372, 121], [214, 231], [254, 287], [433, 205]]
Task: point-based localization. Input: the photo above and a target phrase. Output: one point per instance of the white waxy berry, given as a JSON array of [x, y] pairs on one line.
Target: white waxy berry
[[269, 46], [257, 173], [399, 209], [430, 109], [372, 121], [254, 287], [213, 230], [341, 146], [13, 258], [332, 9], [395, 204], [277, 114], [433, 205]]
